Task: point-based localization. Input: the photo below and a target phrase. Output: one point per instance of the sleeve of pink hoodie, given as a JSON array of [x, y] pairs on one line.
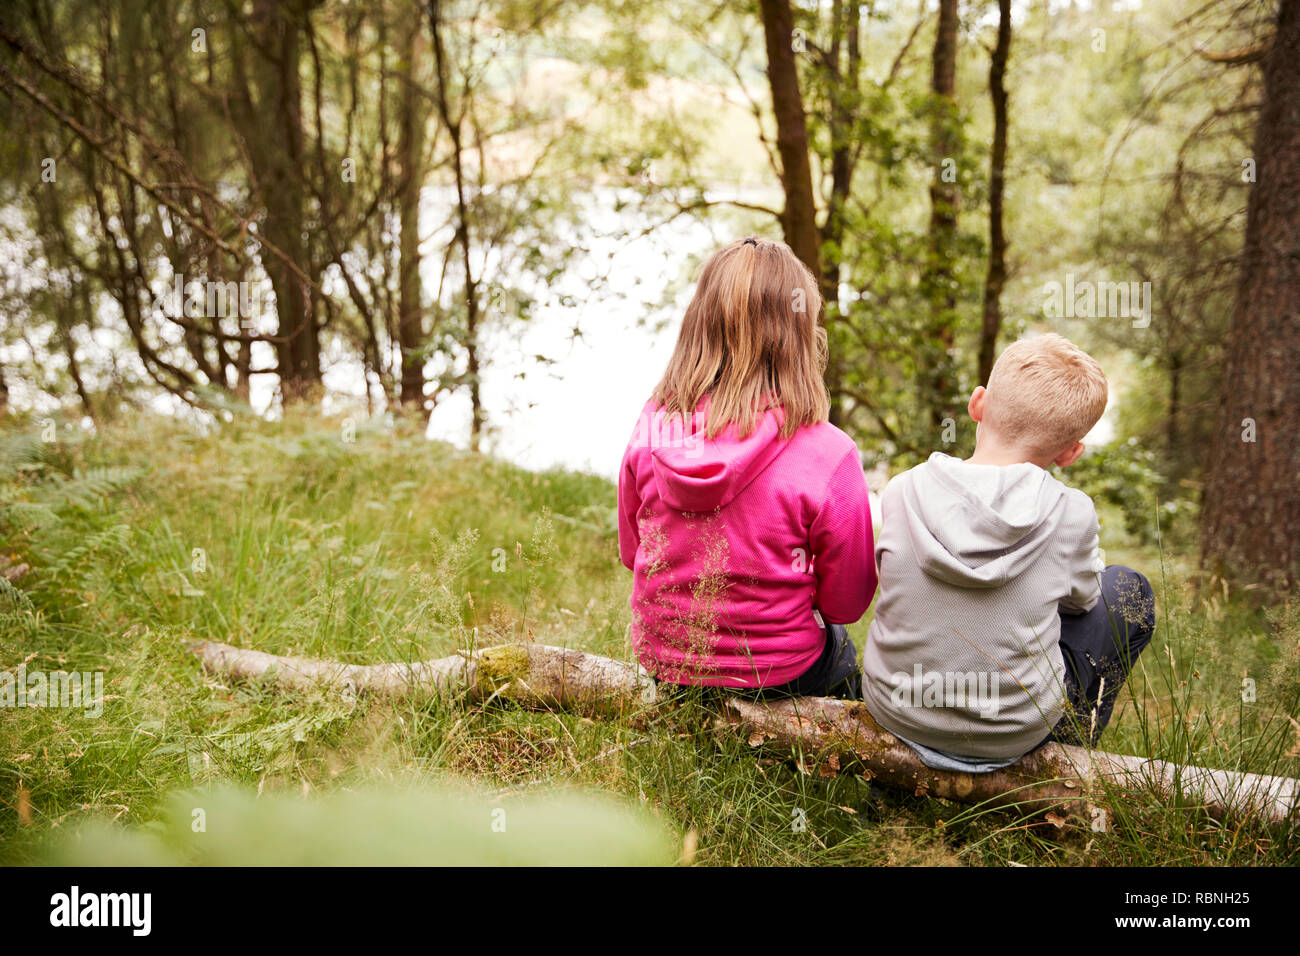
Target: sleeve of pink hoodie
[[842, 540], [629, 502]]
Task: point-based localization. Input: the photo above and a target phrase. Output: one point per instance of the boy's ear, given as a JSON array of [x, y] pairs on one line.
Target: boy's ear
[[976, 405], [1068, 457]]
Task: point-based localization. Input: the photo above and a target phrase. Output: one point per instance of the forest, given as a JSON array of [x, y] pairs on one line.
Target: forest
[[323, 324]]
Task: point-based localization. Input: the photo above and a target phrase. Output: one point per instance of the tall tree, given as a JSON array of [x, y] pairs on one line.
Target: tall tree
[[453, 117], [997, 270], [843, 61], [414, 114], [940, 281], [1251, 506], [799, 218], [275, 138]]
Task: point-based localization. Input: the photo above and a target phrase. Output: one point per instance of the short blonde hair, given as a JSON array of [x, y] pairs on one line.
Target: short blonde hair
[[751, 341], [1044, 394]]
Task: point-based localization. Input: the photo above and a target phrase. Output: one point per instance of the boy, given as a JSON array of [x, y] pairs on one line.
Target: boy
[[997, 626]]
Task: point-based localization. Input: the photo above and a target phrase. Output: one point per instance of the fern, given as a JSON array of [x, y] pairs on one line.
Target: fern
[[85, 490], [11, 597], [110, 541], [21, 452], [17, 615], [29, 514], [38, 504]]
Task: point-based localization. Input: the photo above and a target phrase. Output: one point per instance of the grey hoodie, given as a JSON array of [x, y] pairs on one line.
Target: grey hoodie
[[975, 563]]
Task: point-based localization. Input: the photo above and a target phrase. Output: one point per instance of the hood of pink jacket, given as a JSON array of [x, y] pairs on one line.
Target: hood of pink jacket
[[701, 474]]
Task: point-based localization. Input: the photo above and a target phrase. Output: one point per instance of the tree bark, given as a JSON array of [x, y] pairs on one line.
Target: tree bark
[[411, 150], [833, 735], [276, 142], [799, 219], [845, 65], [997, 271], [843, 737], [535, 676], [453, 121], [1251, 506], [1175, 409], [74, 366], [943, 210]]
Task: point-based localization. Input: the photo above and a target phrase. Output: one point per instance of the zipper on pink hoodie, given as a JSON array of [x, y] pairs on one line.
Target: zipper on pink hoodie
[[734, 542]]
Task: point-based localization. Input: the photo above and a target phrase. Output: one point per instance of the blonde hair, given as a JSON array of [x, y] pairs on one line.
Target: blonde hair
[[750, 340], [1044, 394]]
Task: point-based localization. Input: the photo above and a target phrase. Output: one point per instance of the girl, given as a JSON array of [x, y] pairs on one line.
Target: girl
[[742, 512]]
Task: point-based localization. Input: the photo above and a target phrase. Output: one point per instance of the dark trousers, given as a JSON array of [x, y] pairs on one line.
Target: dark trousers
[[1100, 649], [834, 674]]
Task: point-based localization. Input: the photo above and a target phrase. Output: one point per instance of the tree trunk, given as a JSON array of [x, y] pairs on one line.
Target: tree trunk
[[799, 218], [1251, 505], [1175, 404], [835, 735], [411, 151], [280, 157], [74, 366], [531, 675], [845, 46], [453, 122], [943, 212], [243, 371], [474, 374], [997, 272], [841, 736]]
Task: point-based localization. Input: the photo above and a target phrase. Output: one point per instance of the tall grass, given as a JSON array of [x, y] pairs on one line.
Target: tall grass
[[284, 537]]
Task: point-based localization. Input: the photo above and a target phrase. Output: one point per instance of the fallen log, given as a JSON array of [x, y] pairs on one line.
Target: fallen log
[[534, 676], [1069, 780], [837, 736]]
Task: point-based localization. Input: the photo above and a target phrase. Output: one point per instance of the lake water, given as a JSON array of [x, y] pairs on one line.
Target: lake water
[[577, 410], [565, 387]]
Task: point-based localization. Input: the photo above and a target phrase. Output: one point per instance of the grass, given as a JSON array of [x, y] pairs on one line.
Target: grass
[[286, 538]]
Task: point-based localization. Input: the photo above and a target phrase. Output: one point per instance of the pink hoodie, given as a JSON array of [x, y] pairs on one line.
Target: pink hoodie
[[733, 542]]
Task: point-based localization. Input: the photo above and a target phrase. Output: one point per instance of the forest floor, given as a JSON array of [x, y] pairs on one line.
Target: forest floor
[[290, 538]]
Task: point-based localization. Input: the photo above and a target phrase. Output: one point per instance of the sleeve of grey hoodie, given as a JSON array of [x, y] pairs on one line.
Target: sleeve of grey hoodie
[[1085, 561]]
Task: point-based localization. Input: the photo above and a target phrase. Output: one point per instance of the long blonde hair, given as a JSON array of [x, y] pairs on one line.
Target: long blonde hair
[[750, 340]]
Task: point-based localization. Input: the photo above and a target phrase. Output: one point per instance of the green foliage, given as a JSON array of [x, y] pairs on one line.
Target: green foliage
[[393, 548], [1124, 476], [1125, 163], [378, 827]]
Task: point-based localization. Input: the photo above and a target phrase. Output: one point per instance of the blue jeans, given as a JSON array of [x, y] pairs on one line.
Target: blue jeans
[[1100, 648]]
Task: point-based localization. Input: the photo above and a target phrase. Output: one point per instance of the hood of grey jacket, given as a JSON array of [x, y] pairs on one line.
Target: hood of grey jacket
[[978, 526]]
